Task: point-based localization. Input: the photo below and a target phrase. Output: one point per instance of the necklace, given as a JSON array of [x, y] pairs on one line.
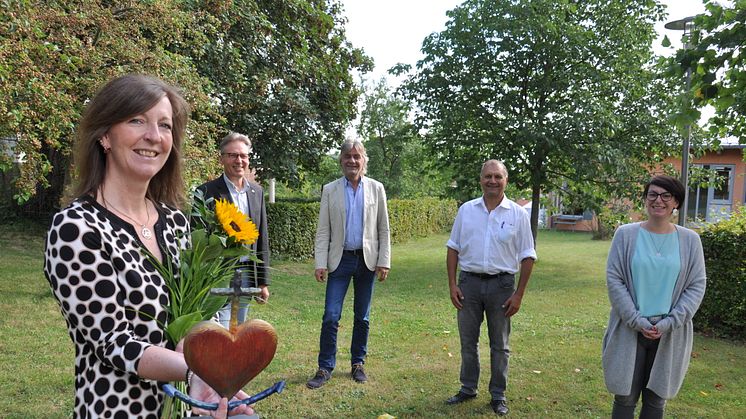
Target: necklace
[[656, 245], [652, 235], [144, 230]]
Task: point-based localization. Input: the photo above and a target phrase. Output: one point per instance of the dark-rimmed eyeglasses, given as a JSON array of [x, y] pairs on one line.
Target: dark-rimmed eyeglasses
[[234, 156], [665, 196]]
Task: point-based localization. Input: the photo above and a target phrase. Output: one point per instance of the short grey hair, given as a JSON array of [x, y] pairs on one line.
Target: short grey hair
[[235, 136], [348, 145], [490, 162]]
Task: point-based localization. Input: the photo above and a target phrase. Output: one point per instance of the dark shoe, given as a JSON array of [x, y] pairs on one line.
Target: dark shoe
[[318, 380], [460, 397], [500, 407], [358, 373]]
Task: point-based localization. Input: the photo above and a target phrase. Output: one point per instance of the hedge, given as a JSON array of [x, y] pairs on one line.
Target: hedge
[[292, 226], [723, 310], [419, 218], [292, 229]]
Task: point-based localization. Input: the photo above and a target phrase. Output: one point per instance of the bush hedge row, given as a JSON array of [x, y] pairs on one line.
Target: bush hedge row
[[292, 226], [723, 310]]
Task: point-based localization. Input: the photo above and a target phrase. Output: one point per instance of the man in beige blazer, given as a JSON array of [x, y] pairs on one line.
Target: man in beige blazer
[[352, 244]]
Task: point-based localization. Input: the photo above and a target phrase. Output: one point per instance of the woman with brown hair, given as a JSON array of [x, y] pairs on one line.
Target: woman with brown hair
[[655, 276], [128, 190]]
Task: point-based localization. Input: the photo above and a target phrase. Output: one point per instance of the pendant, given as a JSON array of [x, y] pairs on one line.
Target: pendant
[[147, 234]]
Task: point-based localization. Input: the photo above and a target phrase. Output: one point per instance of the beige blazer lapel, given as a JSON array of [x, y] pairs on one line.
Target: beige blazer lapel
[[335, 227]]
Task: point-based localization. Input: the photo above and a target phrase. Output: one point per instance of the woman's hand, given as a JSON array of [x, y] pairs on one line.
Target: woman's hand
[[201, 391], [651, 333]]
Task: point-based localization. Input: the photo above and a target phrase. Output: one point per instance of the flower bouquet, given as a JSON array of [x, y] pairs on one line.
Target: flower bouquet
[[220, 235]]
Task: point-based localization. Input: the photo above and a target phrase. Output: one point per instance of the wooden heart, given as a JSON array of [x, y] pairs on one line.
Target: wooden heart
[[226, 361]]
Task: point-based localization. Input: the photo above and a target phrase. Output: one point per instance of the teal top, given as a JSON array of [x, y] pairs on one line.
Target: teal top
[[655, 266]]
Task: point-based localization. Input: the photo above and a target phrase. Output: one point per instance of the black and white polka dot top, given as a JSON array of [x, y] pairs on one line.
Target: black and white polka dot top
[[113, 301]]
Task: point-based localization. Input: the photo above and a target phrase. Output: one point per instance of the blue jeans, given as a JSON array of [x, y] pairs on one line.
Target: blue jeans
[[484, 297], [351, 267]]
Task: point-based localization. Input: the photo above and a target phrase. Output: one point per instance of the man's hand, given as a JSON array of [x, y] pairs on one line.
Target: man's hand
[[456, 297], [264, 297], [512, 305], [382, 273], [320, 274]]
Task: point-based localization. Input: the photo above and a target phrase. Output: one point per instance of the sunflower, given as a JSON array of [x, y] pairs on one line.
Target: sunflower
[[235, 223]]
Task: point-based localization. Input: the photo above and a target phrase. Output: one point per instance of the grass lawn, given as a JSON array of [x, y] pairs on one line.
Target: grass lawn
[[413, 360]]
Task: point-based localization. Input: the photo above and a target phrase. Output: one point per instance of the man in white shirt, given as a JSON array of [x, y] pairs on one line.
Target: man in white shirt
[[490, 240], [235, 187]]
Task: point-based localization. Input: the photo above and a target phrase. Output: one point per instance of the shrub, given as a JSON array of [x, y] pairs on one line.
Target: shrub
[[723, 310], [292, 226], [421, 217], [292, 229]]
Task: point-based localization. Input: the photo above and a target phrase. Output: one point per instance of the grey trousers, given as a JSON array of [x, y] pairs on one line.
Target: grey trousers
[[652, 404], [484, 297]]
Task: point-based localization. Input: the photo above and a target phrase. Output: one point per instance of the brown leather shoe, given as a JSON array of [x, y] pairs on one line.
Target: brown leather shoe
[[318, 380], [358, 373]]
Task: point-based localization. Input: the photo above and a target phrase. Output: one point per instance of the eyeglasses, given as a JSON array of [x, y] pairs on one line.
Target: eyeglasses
[[665, 196], [234, 156]]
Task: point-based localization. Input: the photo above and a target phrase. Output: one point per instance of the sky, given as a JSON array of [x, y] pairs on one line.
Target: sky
[[392, 31]]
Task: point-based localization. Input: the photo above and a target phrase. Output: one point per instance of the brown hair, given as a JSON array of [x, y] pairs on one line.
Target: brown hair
[[118, 100], [670, 184]]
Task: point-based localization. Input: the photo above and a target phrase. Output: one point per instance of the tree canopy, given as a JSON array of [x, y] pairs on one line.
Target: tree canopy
[[281, 71], [277, 71], [55, 55], [718, 69], [565, 92], [397, 155]]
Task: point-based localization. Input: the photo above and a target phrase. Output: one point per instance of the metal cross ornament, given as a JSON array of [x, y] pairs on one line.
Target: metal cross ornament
[[236, 292]]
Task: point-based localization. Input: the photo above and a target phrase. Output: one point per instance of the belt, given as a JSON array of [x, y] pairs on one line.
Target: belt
[[356, 252], [487, 276], [655, 319]]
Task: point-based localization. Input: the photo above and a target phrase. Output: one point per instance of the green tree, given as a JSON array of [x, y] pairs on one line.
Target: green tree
[[277, 71], [55, 55], [563, 91], [281, 71], [398, 156], [718, 69]]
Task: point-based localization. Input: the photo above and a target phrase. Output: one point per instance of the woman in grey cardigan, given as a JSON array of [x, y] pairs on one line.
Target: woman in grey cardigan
[[655, 276]]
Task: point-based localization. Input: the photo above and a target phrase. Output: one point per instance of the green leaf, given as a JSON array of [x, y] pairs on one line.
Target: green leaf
[[179, 327], [199, 236], [666, 43], [213, 251]]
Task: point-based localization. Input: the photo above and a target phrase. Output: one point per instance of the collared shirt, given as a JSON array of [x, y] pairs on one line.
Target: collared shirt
[[354, 204], [494, 241], [240, 198]]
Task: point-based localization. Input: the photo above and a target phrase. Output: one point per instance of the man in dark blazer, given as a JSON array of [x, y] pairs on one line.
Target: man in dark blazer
[[234, 186]]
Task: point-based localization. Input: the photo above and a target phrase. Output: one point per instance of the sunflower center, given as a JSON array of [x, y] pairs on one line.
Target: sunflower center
[[235, 227]]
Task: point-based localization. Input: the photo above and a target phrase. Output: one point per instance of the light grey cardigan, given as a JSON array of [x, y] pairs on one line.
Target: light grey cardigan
[[625, 321]]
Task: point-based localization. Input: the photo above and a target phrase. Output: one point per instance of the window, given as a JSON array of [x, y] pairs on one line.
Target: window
[[703, 200]]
